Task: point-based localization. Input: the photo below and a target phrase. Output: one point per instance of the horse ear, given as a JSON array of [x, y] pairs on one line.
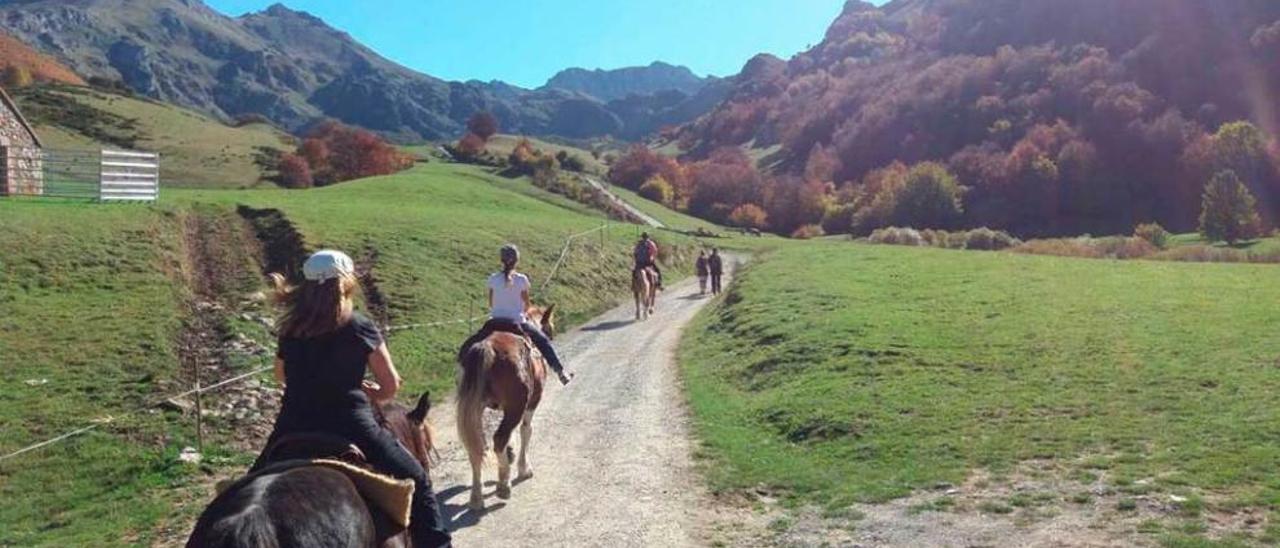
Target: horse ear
[[419, 413], [550, 312]]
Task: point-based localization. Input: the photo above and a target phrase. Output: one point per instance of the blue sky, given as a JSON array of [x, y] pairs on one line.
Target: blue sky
[[524, 42]]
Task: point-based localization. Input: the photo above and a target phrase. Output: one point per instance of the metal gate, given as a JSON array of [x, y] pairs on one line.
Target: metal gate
[[104, 175]]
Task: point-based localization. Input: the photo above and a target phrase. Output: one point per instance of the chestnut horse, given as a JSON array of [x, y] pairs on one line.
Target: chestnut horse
[[301, 505], [644, 285], [502, 372]]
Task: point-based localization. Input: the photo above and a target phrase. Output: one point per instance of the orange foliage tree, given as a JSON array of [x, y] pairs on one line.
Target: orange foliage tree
[[335, 152]]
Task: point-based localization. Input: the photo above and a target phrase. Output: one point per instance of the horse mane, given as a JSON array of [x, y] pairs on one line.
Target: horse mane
[[251, 525]]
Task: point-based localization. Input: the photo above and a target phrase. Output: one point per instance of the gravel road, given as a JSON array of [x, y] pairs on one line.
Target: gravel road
[[610, 452]]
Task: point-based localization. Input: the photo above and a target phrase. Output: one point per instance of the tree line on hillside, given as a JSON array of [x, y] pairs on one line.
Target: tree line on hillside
[[968, 113], [332, 153]]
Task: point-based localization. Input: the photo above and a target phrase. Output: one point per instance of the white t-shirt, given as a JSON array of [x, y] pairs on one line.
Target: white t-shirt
[[508, 299]]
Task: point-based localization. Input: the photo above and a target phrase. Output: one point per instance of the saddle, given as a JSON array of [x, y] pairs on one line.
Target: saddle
[[315, 445], [490, 327]]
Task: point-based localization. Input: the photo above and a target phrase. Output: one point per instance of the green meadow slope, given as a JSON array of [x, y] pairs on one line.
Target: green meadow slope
[[195, 150], [101, 301], [838, 373]]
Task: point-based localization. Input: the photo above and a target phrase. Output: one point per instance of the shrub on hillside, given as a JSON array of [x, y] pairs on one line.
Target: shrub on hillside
[[808, 232], [571, 162], [336, 153], [985, 239], [1153, 233], [658, 190], [640, 164], [1203, 254], [897, 236], [295, 172], [930, 197], [250, 119], [1228, 210], [469, 147], [749, 216], [838, 219], [1060, 247], [15, 77]]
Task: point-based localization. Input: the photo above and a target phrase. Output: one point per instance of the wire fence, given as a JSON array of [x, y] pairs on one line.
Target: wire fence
[[199, 390]]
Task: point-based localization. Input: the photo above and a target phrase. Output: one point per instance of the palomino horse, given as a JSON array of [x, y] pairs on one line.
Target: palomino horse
[[644, 285], [298, 505], [501, 372]]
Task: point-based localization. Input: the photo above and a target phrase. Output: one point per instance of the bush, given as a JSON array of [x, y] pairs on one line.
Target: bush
[[897, 236], [1153, 233], [1060, 247], [838, 219], [571, 162], [749, 216], [936, 238], [658, 190], [985, 239], [1121, 247], [1203, 254], [469, 147], [930, 198], [295, 172], [808, 232], [482, 125]]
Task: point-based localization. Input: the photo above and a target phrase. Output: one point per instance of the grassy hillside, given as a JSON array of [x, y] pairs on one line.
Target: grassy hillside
[[97, 298], [502, 145], [195, 150], [837, 373]]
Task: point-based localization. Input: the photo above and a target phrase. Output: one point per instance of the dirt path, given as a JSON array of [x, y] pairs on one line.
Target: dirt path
[[610, 453], [624, 204]]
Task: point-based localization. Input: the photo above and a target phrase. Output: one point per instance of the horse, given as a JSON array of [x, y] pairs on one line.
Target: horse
[[312, 505], [644, 285], [501, 372]]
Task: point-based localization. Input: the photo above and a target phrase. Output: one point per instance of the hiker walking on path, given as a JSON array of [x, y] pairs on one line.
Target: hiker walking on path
[[703, 270], [715, 263]]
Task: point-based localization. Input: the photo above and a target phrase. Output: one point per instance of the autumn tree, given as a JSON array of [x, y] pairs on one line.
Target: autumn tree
[[1229, 210], [930, 197], [640, 164], [793, 202], [470, 146], [483, 125], [336, 152], [295, 172], [659, 190], [17, 77], [749, 216]]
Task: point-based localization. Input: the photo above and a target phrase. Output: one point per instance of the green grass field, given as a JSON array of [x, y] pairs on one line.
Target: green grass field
[[195, 150], [840, 373], [93, 302]]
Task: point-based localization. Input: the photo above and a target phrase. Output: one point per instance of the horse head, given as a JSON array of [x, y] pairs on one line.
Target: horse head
[[545, 318], [413, 429]]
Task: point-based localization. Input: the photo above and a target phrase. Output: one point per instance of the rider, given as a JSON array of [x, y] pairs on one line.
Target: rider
[[509, 299], [325, 350], [646, 255]]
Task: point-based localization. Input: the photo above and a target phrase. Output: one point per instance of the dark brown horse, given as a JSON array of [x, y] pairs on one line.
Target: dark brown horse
[[503, 372], [311, 505]]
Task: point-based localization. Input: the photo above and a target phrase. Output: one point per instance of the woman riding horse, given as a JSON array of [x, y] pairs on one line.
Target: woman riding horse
[[325, 350]]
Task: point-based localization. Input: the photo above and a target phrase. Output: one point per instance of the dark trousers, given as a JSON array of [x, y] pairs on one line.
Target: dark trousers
[[384, 452], [715, 283], [541, 341]]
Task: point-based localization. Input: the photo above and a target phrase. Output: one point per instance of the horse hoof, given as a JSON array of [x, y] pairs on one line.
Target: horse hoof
[[504, 492], [476, 505], [525, 474]]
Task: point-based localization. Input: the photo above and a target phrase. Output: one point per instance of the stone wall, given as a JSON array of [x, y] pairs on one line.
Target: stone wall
[[21, 160]]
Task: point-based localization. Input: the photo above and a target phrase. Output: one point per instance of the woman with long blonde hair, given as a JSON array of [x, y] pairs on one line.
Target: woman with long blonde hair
[[325, 350]]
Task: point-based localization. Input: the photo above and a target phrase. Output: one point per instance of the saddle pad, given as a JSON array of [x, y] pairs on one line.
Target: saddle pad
[[390, 495]]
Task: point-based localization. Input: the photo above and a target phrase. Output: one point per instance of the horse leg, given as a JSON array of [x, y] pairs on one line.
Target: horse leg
[[526, 430], [477, 466], [501, 439]]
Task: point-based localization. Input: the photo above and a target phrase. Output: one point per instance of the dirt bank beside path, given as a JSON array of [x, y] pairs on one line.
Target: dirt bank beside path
[[611, 453]]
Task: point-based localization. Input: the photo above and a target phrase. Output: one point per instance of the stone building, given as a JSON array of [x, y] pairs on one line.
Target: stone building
[[21, 157]]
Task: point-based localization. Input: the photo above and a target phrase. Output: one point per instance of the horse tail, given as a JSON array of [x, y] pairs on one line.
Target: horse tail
[[476, 363]]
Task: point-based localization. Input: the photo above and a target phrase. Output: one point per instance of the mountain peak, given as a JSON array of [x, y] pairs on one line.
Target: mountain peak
[[610, 84]]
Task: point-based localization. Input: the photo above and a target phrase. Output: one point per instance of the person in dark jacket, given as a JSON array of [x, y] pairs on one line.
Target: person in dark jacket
[[703, 270], [325, 351], [646, 256], [715, 264]]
